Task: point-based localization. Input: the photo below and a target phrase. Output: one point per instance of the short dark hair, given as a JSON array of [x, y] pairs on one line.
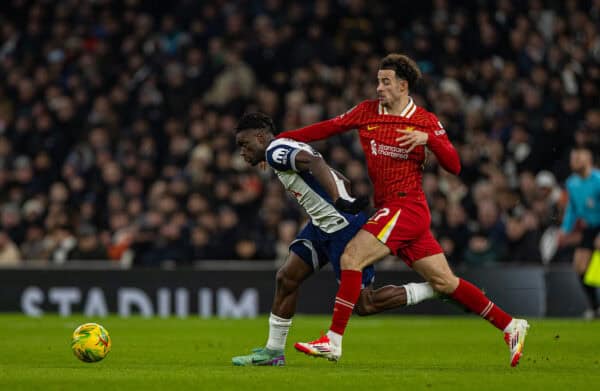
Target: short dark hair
[[582, 146], [255, 120], [586, 147], [404, 66]]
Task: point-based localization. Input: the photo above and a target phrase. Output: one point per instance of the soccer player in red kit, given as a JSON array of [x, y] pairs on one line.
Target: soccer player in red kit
[[394, 132]]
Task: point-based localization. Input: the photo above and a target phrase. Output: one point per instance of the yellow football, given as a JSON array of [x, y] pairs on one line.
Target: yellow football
[[91, 342]]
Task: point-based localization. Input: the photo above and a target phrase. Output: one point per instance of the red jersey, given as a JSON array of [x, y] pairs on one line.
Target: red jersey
[[394, 171]]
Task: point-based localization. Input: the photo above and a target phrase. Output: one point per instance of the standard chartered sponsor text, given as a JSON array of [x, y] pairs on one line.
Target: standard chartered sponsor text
[[392, 151]]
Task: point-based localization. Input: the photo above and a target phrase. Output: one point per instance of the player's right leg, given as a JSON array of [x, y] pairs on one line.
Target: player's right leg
[[363, 250], [436, 270], [289, 277]]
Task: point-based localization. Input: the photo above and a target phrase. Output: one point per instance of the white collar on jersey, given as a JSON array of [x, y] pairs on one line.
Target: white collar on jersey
[[408, 111]]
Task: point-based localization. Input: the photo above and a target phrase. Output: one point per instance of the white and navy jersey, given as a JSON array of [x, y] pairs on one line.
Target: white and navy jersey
[[281, 156]]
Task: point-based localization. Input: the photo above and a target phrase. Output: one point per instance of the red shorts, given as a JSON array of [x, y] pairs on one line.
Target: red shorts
[[404, 227]]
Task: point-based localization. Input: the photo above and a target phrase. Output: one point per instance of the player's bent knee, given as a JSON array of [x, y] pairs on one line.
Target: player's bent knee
[[444, 284], [349, 262], [284, 282]]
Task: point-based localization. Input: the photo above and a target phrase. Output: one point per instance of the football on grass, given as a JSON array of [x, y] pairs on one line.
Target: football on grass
[[91, 342]]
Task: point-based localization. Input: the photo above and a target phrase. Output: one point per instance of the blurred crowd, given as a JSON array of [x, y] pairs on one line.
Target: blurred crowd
[[117, 118]]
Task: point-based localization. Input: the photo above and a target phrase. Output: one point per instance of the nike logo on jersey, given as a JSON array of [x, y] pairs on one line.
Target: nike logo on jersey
[[372, 127]]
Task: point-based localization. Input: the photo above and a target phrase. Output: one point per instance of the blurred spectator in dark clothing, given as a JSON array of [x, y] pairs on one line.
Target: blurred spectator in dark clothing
[[481, 251], [10, 221], [9, 251], [549, 195], [490, 222], [88, 246], [169, 247], [454, 235], [287, 232], [246, 249], [523, 238], [61, 242], [201, 247], [35, 247]]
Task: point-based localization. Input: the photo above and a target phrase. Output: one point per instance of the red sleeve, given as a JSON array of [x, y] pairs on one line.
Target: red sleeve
[[442, 148], [324, 129]]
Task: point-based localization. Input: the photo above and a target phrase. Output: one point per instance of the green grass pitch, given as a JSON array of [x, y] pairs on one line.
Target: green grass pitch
[[380, 353]]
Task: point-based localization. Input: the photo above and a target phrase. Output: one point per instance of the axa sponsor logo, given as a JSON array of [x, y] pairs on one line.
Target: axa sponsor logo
[[280, 155]]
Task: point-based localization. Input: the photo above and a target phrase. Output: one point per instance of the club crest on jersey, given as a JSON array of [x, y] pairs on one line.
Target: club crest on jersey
[[373, 147]]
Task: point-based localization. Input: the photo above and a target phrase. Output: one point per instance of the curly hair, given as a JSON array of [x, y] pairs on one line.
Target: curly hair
[[404, 66], [255, 120]]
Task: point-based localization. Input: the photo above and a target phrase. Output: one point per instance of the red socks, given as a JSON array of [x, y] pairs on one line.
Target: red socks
[[466, 293], [471, 297], [347, 296]]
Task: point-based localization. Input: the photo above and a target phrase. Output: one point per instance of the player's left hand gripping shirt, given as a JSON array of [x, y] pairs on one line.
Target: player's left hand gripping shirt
[[281, 155]]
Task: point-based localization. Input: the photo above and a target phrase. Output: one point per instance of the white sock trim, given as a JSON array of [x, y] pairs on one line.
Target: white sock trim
[[279, 319], [509, 327], [418, 292], [335, 338], [409, 295]]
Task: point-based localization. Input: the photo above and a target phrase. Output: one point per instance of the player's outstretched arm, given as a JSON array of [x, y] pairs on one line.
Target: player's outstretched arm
[[318, 131], [333, 184], [328, 128]]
